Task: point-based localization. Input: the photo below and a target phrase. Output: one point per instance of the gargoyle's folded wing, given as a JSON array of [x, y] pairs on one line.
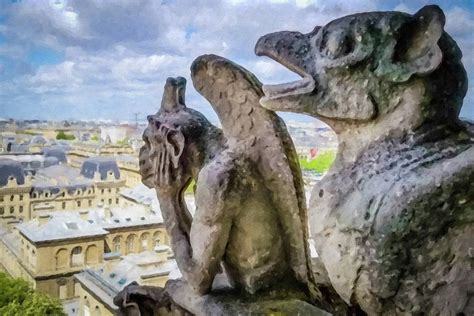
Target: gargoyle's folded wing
[[260, 135]]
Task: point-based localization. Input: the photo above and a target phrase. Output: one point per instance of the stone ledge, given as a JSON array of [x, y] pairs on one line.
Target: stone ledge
[[224, 303]]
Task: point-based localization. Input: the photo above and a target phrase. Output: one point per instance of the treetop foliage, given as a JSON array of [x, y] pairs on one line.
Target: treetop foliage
[[18, 298]]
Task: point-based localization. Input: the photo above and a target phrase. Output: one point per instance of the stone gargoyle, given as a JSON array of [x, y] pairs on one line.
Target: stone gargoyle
[[250, 221], [393, 218]]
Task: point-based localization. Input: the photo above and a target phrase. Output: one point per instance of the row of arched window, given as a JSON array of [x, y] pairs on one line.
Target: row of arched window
[[76, 257], [135, 243]]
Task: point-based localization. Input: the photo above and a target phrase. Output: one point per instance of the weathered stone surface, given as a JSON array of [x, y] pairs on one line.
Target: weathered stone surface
[[136, 300], [281, 302], [251, 218], [393, 219]]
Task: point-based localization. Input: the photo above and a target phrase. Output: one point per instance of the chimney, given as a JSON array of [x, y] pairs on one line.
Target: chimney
[[43, 219], [84, 215]]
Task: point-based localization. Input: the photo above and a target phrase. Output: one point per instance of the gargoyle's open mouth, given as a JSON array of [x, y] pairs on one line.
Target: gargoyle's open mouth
[[291, 50]]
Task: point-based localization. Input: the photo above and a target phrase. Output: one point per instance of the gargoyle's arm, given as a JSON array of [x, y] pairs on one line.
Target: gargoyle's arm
[[199, 258]]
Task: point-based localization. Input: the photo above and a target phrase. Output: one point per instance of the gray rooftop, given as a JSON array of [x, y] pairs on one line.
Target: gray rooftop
[[133, 267], [55, 177], [60, 226], [101, 218], [11, 168], [56, 152], [143, 195], [102, 165], [38, 140]]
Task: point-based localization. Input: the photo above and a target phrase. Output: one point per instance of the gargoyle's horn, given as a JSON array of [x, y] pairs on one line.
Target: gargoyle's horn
[[173, 95]]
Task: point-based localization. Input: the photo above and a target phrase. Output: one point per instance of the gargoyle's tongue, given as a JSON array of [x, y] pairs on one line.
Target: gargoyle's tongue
[[305, 85]]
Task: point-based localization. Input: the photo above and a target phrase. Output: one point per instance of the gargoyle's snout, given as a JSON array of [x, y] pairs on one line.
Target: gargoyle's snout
[[291, 49], [294, 51]]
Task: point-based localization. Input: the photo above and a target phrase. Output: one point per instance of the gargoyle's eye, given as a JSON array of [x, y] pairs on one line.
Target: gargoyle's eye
[[337, 44]]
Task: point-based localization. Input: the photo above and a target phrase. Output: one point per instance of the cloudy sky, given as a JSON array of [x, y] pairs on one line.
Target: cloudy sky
[[91, 59]]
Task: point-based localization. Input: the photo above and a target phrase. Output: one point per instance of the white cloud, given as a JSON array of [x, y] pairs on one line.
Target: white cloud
[[119, 53]]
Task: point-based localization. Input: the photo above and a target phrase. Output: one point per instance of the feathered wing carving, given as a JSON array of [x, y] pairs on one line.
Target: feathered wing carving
[[261, 136]]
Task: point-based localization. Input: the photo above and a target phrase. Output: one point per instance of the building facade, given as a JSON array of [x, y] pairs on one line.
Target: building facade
[[50, 249]]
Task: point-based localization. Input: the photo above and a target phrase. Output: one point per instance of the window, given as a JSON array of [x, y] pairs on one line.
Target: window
[[12, 209], [117, 201], [102, 191], [144, 242], [63, 292], [130, 243], [77, 288], [89, 203], [2, 210], [78, 203], [110, 190], [1, 198], [92, 254], [77, 259], [87, 309], [21, 209], [110, 201], [158, 238], [21, 197], [61, 259], [116, 243], [63, 205], [12, 197]]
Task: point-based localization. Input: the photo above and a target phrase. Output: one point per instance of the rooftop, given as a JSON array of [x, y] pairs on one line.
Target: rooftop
[[59, 226], [11, 169], [60, 176], [143, 195], [133, 267], [103, 165]]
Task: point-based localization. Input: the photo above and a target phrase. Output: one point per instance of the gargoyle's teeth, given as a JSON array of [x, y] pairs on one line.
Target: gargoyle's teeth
[[305, 85]]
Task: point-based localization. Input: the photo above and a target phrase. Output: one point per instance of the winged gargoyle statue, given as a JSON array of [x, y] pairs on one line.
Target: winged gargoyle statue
[[251, 218]]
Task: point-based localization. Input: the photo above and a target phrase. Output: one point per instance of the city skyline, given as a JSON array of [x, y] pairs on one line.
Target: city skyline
[[89, 60]]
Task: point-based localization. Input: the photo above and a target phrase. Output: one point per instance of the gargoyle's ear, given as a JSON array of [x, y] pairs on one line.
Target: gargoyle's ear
[[175, 145], [417, 50], [420, 36]]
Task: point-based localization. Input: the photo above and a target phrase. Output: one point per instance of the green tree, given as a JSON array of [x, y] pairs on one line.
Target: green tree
[[62, 135], [321, 163], [123, 142], [18, 298]]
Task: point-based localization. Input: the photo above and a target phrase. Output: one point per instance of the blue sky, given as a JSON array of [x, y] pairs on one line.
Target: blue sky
[[92, 59]]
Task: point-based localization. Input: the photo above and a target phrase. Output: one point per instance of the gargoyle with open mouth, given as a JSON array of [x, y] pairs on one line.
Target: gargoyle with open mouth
[[393, 218]]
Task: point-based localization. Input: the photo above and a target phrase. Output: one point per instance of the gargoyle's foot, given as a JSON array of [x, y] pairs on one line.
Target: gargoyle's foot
[[227, 302], [137, 300]]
